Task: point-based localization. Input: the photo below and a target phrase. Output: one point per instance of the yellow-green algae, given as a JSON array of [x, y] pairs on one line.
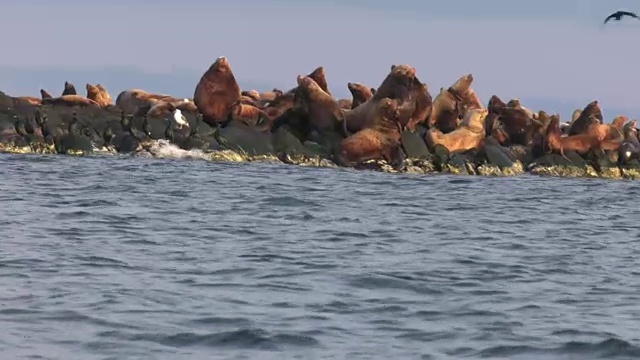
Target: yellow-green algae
[[412, 166]]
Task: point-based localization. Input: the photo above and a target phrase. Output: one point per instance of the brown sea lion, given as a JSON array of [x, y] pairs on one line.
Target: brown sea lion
[[70, 100], [359, 92], [318, 75], [464, 93], [346, 104], [612, 133], [397, 85], [515, 103], [445, 114], [164, 107], [324, 112], [284, 102], [248, 100], [518, 125], [576, 114], [582, 143], [69, 89], [379, 141], [452, 103], [130, 101], [418, 109], [248, 114], [581, 124], [44, 94], [217, 93], [468, 136], [495, 103], [268, 96], [30, 99], [93, 93], [252, 94], [105, 95]]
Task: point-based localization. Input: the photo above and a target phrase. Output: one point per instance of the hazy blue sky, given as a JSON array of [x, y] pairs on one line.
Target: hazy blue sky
[[544, 49]]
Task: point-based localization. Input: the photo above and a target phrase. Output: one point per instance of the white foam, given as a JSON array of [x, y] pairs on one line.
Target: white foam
[[164, 149]]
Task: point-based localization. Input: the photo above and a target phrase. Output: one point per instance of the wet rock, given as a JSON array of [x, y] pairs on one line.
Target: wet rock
[[564, 171], [73, 144], [244, 139], [285, 142], [492, 170], [459, 164], [496, 156], [413, 145], [440, 156], [227, 156]]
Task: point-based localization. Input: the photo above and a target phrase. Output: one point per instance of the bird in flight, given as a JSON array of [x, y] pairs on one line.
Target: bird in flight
[[619, 14]]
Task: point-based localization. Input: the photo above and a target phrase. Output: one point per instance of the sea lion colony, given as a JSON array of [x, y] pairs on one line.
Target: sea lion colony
[[398, 124]]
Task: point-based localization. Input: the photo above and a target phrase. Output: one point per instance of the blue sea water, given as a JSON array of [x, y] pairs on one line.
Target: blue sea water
[[133, 258]]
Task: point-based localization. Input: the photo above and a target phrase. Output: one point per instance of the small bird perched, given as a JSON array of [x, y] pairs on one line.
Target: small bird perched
[[180, 119], [619, 14]]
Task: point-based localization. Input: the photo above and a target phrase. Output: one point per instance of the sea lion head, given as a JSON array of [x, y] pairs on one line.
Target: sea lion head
[[619, 121], [389, 108], [593, 109], [221, 64], [403, 74]]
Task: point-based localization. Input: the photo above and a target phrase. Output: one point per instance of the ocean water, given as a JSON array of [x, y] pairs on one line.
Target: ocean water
[[137, 258]]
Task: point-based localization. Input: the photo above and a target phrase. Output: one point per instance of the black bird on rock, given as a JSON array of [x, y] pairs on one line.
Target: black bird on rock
[[619, 14]]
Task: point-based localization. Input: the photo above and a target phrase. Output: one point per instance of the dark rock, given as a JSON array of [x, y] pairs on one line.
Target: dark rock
[[496, 156], [243, 139], [73, 142], [440, 156], [413, 145]]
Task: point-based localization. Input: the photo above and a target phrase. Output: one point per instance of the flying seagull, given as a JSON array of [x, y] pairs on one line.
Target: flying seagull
[[619, 14]]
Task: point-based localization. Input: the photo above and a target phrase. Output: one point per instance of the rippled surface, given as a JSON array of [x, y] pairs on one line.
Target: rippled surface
[[113, 258]]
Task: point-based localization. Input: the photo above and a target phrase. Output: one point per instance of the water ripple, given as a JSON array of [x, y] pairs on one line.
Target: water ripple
[[110, 258]]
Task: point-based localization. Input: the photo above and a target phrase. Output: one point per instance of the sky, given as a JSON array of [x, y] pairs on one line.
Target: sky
[[554, 50]]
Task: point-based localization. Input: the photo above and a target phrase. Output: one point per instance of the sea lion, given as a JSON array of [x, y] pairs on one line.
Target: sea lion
[[464, 93], [70, 100], [69, 89], [130, 101], [164, 107], [613, 134], [217, 93], [515, 103], [630, 147], [268, 96], [576, 114], [582, 143], [318, 75], [445, 114], [284, 102], [581, 124], [518, 125], [94, 93], [379, 141], [346, 104], [324, 112], [495, 103], [468, 136], [452, 103], [30, 100], [359, 92], [252, 94], [105, 95], [248, 114], [44, 94], [419, 106], [397, 85]]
